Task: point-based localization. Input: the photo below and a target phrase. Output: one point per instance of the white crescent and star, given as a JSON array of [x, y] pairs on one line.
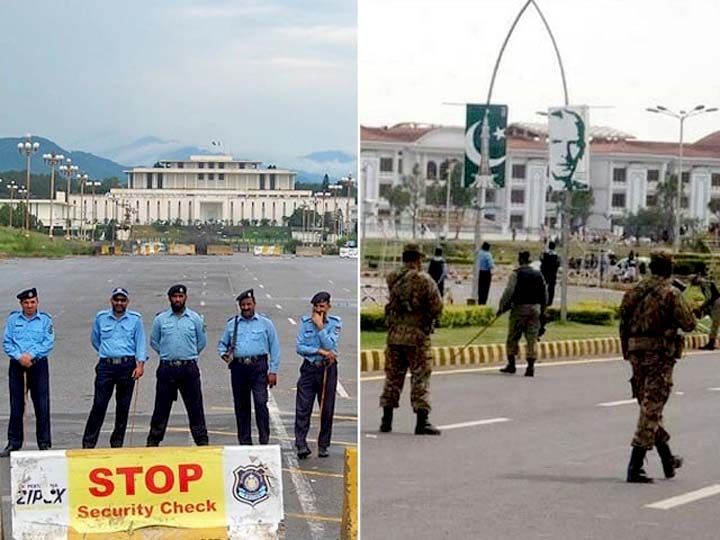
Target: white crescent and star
[[471, 150]]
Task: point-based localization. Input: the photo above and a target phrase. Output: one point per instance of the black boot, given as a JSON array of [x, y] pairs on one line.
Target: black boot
[[510, 368], [530, 369], [635, 472], [709, 346], [387, 418], [669, 462], [423, 426], [9, 448]]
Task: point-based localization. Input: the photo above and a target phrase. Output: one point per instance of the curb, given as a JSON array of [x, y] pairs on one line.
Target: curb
[[374, 359]]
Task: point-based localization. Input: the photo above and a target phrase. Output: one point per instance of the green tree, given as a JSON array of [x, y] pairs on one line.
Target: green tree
[[399, 199]]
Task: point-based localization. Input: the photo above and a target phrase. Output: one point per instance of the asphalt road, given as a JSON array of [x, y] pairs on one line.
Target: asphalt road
[[541, 458], [74, 289]]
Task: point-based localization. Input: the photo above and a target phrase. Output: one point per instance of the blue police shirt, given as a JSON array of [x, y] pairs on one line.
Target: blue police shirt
[[255, 336], [112, 337], [310, 339], [485, 262], [178, 337], [34, 335]]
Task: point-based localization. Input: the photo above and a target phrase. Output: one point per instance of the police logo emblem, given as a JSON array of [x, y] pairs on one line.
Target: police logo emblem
[[252, 485]]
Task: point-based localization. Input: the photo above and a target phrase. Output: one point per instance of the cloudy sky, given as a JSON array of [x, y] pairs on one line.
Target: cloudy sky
[[620, 57], [264, 76]]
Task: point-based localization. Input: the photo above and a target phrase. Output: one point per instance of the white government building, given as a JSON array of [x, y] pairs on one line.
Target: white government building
[[624, 173], [201, 189]]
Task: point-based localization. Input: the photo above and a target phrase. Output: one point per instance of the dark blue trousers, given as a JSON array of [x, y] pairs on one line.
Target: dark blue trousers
[[109, 377], [247, 379], [38, 384], [172, 379], [309, 388]]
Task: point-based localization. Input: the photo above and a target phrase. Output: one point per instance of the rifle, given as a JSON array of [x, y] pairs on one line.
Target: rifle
[[229, 356], [480, 333]]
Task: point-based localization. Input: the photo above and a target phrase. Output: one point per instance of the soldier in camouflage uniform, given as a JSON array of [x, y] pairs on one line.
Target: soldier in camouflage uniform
[[711, 306], [411, 312], [526, 298], [650, 315]]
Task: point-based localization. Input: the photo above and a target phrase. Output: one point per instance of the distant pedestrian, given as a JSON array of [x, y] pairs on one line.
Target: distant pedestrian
[[412, 309], [526, 298], [178, 336], [28, 340], [317, 343], [485, 268], [549, 265], [118, 336], [603, 264], [438, 270], [711, 307]]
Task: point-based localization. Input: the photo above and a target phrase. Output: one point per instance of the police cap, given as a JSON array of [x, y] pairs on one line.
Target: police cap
[[320, 297], [175, 289], [119, 291], [27, 293], [250, 293]]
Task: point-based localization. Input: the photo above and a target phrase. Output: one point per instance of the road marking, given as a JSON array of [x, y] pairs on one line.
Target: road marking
[[330, 281], [315, 473], [341, 390], [282, 413], [302, 486], [679, 393], [616, 403], [346, 290], [278, 306], [262, 286], [686, 498], [268, 295], [292, 321], [474, 423], [202, 302], [371, 436], [714, 389], [255, 278], [313, 517]]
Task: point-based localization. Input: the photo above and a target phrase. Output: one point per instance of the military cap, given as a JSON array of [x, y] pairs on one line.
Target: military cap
[[661, 256], [175, 289], [119, 291], [320, 297], [27, 293], [413, 248], [250, 293]]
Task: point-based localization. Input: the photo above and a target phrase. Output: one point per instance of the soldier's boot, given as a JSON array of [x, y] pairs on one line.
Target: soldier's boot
[[669, 462], [387, 418], [635, 473], [530, 369], [510, 367], [709, 346], [423, 425]]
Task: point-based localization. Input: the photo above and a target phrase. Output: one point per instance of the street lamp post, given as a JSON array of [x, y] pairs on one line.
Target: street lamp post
[[681, 116], [53, 160], [68, 170], [12, 188], [335, 188], [28, 148], [451, 169], [83, 178], [93, 184]]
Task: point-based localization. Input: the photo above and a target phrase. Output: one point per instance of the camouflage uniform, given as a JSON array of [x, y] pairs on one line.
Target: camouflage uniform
[[650, 315], [711, 306], [526, 297], [412, 309]]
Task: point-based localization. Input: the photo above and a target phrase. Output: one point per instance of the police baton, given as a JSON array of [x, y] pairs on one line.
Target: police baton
[[322, 397], [480, 333], [134, 412]]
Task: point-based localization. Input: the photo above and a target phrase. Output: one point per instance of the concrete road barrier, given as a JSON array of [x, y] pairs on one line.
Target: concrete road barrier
[[181, 249], [308, 251], [349, 529], [219, 249]]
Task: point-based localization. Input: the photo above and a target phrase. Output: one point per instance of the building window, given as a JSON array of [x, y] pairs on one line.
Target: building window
[[211, 176], [160, 181], [262, 181], [618, 199], [684, 202], [517, 196], [221, 176], [148, 180], [169, 214], [686, 177], [272, 181], [653, 175], [221, 165], [400, 166], [490, 195], [211, 165], [147, 212], [431, 170], [201, 176], [490, 217], [620, 175], [190, 216], [517, 221], [180, 165], [386, 164], [651, 200], [201, 165], [715, 180], [518, 171], [385, 190]]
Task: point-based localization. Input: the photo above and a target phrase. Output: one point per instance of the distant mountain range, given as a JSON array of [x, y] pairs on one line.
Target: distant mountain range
[[145, 151]]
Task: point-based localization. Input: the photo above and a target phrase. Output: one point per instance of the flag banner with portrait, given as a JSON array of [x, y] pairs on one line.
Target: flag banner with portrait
[[569, 147], [495, 141]]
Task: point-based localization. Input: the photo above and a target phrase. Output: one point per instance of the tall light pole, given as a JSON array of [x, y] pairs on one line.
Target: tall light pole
[[53, 160], [82, 178], [681, 115], [68, 170], [28, 148], [12, 188], [451, 169], [93, 184]]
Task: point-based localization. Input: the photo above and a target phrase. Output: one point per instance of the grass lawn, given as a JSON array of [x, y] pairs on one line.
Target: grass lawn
[[497, 333], [14, 243]]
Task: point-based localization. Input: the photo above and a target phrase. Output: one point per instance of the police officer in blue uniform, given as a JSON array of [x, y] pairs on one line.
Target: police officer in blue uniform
[[118, 336], [317, 342], [250, 347], [28, 340], [178, 336]]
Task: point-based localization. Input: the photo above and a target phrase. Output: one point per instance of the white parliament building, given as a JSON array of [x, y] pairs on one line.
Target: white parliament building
[[624, 173], [201, 189]]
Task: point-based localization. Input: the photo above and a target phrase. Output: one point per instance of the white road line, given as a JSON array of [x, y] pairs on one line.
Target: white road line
[[340, 390], [202, 302], [278, 306], [686, 498], [474, 423], [714, 389], [262, 286], [616, 403], [302, 486], [346, 290], [268, 295], [292, 321], [330, 281], [255, 278], [679, 393]]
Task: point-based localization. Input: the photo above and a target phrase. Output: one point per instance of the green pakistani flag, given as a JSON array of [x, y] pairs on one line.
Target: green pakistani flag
[[497, 116]]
